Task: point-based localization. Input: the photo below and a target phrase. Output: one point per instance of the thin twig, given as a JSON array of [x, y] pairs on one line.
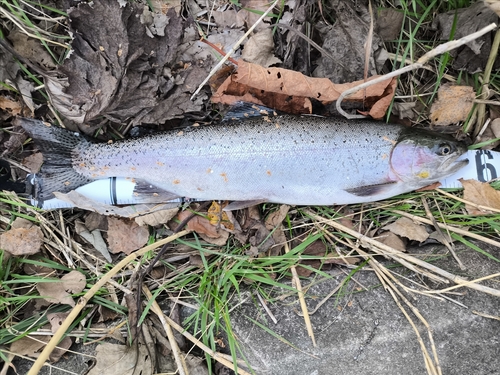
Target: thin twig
[[233, 49], [417, 65]]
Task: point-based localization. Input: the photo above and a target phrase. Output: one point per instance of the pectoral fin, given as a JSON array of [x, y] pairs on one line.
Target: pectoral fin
[[368, 190], [239, 205]]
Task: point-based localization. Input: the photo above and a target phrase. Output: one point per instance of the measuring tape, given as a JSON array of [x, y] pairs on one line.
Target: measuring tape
[[483, 166]]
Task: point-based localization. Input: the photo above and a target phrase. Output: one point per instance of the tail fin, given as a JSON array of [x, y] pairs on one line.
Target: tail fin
[[58, 147]]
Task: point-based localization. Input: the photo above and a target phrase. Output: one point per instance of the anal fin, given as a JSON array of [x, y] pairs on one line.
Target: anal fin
[[239, 205]]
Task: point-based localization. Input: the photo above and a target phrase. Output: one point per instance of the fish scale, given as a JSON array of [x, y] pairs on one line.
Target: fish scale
[[302, 160]]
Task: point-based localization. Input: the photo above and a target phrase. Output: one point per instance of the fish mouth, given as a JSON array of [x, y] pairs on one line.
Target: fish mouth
[[454, 165]]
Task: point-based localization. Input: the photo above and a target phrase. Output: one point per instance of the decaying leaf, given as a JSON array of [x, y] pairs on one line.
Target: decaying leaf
[[461, 22], [33, 346], [56, 320], [389, 23], [217, 216], [392, 240], [31, 49], [290, 91], [453, 104], [346, 43], [11, 106], [259, 49], [157, 218], [122, 359], [94, 238], [274, 223], [117, 70], [207, 231], [125, 235], [33, 162], [60, 291], [22, 241], [406, 227], [321, 250], [482, 194]]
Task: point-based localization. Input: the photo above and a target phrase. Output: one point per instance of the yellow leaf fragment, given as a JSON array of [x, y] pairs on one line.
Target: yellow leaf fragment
[[453, 104]]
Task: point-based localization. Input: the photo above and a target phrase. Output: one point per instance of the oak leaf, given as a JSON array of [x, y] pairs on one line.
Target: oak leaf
[[482, 194]]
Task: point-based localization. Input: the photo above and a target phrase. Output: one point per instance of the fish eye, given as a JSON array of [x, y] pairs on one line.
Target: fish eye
[[444, 149]]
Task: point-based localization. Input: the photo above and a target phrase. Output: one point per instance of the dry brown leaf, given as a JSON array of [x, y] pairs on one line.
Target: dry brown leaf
[[32, 347], [73, 282], [94, 238], [392, 240], [480, 193], [12, 107], [320, 249], [33, 162], [122, 359], [273, 87], [406, 227], [200, 225], [494, 5], [275, 220], [56, 320], [22, 241], [259, 49], [453, 104], [125, 235], [60, 291], [157, 218]]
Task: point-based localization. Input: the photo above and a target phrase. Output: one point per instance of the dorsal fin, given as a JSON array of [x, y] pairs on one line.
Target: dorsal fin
[[244, 110]]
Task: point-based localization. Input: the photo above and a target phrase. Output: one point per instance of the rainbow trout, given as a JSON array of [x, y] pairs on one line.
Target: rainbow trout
[[283, 159]]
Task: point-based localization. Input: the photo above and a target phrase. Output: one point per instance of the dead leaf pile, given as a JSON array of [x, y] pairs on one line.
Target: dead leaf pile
[[117, 66]]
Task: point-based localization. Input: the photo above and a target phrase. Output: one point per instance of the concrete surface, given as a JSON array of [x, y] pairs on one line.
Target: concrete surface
[[365, 333], [370, 335]]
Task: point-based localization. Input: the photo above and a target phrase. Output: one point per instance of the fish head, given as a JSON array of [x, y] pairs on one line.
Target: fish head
[[421, 158]]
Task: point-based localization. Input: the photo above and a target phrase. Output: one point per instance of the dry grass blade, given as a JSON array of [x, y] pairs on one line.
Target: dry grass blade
[[214, 355], [450, 228], [83, 300], [446, 241], [380, 248], [181, 364], [481, 108], [431, 363], [302, 300]]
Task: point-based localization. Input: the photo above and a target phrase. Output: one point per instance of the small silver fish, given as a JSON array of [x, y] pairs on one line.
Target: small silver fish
[[282, 159]]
